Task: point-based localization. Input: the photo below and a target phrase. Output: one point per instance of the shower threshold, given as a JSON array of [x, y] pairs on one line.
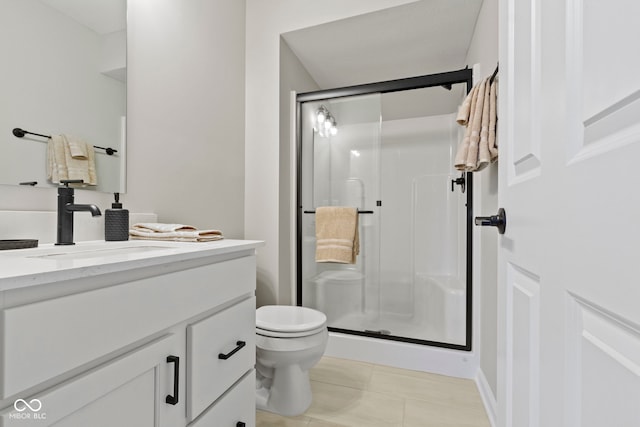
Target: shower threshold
[[378, 332]]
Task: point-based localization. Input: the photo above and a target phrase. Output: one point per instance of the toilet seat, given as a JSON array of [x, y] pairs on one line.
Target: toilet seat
[[277, 334], [289, 321]]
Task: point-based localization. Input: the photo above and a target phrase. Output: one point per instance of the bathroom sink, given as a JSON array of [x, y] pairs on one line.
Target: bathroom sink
[[98, 253]]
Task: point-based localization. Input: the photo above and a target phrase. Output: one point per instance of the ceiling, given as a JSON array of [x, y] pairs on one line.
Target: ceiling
[[418, 38], [423, 37], [102, 16]]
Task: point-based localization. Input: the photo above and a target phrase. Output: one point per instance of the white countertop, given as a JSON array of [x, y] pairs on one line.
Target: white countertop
[[49, 263]]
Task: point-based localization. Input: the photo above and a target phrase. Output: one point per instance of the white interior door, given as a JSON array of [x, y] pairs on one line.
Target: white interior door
[[569, 294]]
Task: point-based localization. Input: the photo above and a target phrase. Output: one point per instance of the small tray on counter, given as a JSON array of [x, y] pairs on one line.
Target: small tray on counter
[[18, 244]]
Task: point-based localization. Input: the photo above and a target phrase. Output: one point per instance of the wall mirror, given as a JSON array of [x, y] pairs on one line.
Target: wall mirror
[[64, 73]]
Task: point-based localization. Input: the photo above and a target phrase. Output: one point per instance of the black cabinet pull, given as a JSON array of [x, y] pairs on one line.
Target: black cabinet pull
[[239, 345], [240, 424], [172, 400]]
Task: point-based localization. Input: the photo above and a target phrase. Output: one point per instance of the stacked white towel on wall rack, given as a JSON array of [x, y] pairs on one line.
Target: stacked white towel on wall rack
[[70, 158]]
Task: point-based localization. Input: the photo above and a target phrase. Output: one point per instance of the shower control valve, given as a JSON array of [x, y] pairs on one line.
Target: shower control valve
[[459, 181]]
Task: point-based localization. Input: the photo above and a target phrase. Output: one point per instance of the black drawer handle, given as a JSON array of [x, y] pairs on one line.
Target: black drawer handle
[[239, 345], [240, 424], [172, 400]]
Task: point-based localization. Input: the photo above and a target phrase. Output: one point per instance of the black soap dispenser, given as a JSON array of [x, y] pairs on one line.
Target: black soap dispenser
[[116, 222]]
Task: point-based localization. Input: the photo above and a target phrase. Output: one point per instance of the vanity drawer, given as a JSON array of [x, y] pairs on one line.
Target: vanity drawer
[[220, 350], [236, 408], [49, 338]]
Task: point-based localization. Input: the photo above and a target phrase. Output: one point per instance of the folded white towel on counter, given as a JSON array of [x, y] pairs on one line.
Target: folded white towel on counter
[[173, 232]]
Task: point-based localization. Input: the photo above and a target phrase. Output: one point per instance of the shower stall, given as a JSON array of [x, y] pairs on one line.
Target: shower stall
[[387, 149]]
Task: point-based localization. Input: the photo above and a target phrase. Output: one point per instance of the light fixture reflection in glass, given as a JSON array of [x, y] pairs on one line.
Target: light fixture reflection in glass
[[325, 123]]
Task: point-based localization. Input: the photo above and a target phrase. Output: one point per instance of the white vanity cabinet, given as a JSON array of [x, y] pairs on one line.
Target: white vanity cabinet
[[168, 341], [122, 392]]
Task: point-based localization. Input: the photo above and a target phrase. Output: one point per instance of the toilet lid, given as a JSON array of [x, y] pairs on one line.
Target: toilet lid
[[285, 318]]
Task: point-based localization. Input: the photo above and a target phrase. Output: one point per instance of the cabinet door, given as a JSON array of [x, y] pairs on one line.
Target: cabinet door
[[130, 390], [235, 408]]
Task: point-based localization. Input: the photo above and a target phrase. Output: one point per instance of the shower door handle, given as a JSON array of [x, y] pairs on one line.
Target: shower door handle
[[499, 221]]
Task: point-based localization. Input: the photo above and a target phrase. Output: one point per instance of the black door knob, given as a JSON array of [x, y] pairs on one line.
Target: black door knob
[[499, 221]]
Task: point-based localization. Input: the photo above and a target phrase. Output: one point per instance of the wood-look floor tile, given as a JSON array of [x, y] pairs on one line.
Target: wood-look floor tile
[[344, 372], [348, 393], [267, 419], [350, 407], [420, 413], [319, 423], [435, 388]]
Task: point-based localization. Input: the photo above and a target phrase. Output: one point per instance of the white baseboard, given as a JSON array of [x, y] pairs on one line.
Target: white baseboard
[[488, 399]]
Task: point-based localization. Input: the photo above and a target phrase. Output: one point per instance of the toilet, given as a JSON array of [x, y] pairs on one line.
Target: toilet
[[290, 340]]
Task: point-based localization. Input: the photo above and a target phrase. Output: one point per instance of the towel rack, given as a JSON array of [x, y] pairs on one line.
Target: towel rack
[[20, 133], [495, 73], [359, 212]]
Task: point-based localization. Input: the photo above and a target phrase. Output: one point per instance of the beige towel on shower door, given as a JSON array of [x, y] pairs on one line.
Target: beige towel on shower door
[[337, 237]]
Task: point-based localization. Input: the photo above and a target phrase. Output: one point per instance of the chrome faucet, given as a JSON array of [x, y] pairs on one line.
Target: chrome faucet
[[66, 208]]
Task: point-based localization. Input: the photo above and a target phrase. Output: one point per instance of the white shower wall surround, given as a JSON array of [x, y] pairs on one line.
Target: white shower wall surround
[[410, 277], [425, 220]]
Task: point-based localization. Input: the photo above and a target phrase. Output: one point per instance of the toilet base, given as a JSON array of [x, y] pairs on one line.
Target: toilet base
[[289, 393]]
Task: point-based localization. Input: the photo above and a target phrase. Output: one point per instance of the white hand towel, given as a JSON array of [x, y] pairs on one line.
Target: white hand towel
[[77, 148], [77, 168]]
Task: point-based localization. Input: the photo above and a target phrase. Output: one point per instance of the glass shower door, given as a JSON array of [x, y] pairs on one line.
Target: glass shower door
[[342, 168], [391, 155]]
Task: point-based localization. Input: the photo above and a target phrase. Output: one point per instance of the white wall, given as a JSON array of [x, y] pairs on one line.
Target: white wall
[[186, 112], [265, 22], [484, 51], [185, 117], [293, 77]]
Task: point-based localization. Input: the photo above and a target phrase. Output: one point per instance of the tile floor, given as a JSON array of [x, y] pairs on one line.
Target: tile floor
[[347, 393]]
